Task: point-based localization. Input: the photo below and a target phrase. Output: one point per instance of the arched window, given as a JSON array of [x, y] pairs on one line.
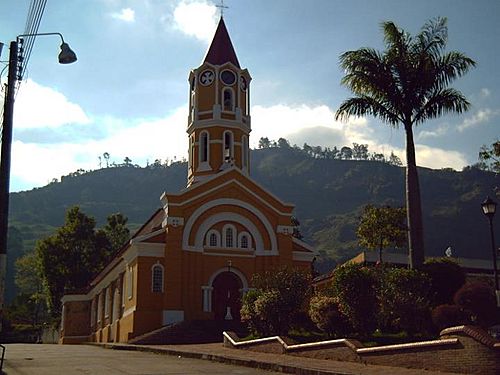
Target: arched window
[[204, 146], [228, 99], [213, 238], [116, 305], [190, 153], [93, 313], [244, 240], [228, 146], [130, 282], [99, 307], [107, 302], [157, 278], [229, 235], [244, 152]]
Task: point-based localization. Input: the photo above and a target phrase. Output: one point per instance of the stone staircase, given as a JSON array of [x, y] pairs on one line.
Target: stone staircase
[[190, 332]]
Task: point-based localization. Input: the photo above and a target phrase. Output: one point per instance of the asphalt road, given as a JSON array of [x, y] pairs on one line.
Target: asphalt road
[[46, 359]]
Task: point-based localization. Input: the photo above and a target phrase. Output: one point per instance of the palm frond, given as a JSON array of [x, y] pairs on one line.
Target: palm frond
[[364, 105], [451, 66], [444, 101]]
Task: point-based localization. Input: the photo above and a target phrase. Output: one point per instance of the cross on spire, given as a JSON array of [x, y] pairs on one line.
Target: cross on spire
[[221, 7]]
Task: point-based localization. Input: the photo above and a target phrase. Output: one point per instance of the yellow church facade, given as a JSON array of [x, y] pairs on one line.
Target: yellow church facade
[[195, 257]]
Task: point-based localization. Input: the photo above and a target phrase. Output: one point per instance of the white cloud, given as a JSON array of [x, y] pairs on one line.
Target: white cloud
[[438, 132], [485, 92], [196, 18], [126, 14], [36, 164], [480, 117], [436, 158], [38, 106]]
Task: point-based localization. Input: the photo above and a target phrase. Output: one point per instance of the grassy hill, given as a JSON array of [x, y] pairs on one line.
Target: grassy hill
[[328, 194]]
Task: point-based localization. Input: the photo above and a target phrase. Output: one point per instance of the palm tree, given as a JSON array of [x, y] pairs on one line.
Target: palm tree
[[405, 85]]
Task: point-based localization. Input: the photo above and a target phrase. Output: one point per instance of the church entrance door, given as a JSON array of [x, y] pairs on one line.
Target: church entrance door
[[227, 296]]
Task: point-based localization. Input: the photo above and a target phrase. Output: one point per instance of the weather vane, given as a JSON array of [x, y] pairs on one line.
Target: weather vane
[[221, 6]]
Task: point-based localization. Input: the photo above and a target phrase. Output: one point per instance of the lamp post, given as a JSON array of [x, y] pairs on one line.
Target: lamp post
[[489, 207], [66, 56]]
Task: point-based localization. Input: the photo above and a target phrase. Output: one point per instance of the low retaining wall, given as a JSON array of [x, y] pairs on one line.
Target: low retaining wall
[[463, 349]]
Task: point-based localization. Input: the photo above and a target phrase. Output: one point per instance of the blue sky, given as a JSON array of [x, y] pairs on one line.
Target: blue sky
[[127, 94]]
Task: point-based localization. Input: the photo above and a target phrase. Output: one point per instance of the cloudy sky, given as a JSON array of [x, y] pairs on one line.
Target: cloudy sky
[[127, 94]]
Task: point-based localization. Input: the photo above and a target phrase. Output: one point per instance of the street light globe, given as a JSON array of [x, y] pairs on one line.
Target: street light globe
[[489, 207], [67, 55]]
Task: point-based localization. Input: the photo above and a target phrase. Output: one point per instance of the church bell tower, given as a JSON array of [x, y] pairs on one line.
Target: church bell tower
[[219, 112]]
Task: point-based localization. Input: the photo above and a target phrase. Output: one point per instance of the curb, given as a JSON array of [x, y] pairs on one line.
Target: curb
[[263, 365]]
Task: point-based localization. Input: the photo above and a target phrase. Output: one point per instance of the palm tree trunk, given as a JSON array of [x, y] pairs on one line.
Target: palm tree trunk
[[413, 204]]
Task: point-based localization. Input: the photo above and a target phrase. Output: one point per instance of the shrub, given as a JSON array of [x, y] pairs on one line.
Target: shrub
[[275, 304], [403, 296], [445, 316], [477, 299], [325, 313], [353, 286], [446, 278]]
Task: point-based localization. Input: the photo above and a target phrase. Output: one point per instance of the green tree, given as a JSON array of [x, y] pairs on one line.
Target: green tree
[[382, 227], [106, 158], [277, 301], [283, 143], [404, 303], [478, 301], [446, 278], [353, 286], [395, 160], [406, 85], [346, 153], [116, 231], [324, 311], [31, 291], [264, 142], [489, 157], [71, 256]]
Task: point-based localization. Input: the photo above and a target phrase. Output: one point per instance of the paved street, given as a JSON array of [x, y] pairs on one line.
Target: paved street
[[25, 359]]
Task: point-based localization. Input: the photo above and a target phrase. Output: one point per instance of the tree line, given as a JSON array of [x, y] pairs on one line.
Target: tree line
[[356, 152]]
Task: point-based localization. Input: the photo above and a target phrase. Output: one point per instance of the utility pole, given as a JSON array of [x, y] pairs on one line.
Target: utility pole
[[8, 115]]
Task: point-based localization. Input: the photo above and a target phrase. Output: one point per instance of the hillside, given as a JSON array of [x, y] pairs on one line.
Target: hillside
[[328, 195]]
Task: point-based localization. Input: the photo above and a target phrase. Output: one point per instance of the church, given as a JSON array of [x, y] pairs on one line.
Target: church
[[195, 257]]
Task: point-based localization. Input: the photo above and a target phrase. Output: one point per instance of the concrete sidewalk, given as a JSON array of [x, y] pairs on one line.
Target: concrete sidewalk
[[273, 362]]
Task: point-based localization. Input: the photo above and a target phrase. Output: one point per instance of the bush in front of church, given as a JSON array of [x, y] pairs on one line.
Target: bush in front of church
[[325, 313], [277, 301]]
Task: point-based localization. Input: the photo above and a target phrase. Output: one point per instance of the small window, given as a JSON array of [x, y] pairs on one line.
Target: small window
[[99, 307], [204, 147], [229, 235], [107, 302], [228, 146], [213, 238], [157, 278], [130, 282], [244, 152], [228, 99], [244, 240]]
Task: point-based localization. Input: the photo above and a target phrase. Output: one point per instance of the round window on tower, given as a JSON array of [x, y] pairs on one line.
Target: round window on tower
[[207, 77], [228, 77]]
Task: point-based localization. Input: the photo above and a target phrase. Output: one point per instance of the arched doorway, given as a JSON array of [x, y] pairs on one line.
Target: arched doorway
[[227, 296]]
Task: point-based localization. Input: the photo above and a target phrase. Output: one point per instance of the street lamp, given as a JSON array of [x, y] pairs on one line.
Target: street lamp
[[489, 207], [66, 56]]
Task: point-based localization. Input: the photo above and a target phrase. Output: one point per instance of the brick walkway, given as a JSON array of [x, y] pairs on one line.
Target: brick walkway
[[274, 362]]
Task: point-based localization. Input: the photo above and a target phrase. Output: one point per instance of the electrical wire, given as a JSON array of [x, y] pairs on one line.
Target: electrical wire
[[35, 14]]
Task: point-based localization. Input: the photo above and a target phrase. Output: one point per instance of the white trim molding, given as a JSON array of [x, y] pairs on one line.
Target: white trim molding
[[302, 256]]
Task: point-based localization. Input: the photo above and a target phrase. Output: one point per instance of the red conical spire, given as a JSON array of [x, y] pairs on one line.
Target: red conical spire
[[221, 50]]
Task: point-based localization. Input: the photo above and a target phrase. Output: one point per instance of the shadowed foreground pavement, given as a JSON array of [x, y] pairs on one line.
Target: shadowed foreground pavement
[[26, 359], [44, 359]]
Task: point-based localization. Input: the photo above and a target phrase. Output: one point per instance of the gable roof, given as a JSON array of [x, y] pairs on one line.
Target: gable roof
[[221, 50]]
